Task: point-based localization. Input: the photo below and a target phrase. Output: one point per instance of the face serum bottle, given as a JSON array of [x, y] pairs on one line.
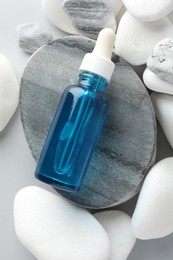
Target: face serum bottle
[[78, 121]]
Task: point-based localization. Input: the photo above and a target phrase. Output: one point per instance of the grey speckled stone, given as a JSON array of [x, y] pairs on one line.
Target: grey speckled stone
[[32, 37], [126, 148], [89, 17], [161, 60]]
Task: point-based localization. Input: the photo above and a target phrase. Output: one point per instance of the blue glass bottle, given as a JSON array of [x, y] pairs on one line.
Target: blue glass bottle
[[74, 133], [78, 121]]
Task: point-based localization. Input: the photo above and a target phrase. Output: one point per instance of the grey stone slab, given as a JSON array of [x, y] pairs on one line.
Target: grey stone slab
[[126, 148], [90, 17]]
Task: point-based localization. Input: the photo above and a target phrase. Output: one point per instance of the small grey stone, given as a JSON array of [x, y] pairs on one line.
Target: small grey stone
[[160, 61], [32, 37], [90, 17], [126, 148]]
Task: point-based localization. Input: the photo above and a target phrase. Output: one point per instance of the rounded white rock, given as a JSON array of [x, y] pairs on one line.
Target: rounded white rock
[[161, 59], [163, 106], [135, 40], [117, 224], [153, 215], [52, 228], [148, 10], [9, 91], [153, 82]]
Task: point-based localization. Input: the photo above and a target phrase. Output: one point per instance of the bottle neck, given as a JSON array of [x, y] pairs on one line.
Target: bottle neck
[[92, 81]]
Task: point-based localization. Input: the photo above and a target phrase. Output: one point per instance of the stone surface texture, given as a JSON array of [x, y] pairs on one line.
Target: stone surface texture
[[90, 17], [141, 38], [82, 17], [161, 59], [52, 228], [153, 215], [155, 83], [148, 10], [32, 36], [117, 224], [126, 148], [9, 91], [163, 106]]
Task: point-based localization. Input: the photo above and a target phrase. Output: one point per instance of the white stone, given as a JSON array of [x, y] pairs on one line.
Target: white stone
[[9, 91], [50, 227], [32, 36], [153, 82], [153, 215], [117, 224], [135, 40], [161, 59], [148, 10], [56, 14], [163, 106]]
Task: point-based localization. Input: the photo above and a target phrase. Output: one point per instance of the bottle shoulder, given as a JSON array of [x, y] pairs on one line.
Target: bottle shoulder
[[80, 91]]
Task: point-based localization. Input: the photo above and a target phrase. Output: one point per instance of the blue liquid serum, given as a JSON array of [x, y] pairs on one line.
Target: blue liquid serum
[[78, 121]]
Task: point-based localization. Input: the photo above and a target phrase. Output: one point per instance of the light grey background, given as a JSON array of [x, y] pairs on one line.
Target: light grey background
[[16, 163]]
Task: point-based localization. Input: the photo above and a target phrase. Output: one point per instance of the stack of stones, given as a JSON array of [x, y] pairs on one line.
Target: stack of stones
[[48, 225], [158, 77], [147, 27]]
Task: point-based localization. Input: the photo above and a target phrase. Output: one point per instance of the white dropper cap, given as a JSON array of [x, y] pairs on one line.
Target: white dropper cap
[[99, 61]]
